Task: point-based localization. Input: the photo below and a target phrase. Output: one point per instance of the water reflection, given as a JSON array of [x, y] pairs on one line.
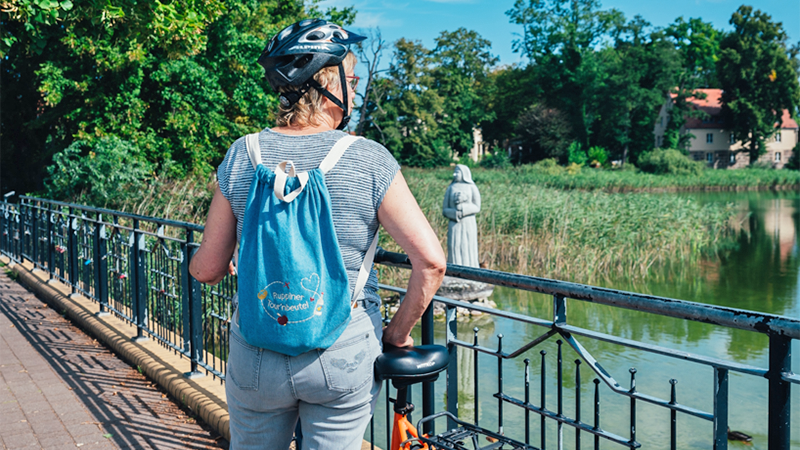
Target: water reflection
[[759, 272]]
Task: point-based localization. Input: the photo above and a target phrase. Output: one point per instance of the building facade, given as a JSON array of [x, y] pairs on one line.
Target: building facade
[[713, 143]]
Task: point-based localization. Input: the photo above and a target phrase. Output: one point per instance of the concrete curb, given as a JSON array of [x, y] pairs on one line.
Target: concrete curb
[[210, 406]]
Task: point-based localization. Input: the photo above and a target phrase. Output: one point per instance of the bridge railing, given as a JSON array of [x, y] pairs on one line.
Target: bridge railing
[[136, 267]]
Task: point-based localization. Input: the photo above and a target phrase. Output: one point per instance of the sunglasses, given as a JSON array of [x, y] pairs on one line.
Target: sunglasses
[[352, 81]]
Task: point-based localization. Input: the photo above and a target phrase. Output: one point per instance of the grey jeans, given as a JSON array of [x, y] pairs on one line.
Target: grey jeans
[[332, 392]]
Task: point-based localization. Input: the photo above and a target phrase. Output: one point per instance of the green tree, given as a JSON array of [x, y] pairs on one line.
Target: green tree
[[560, 38], [76, 71], [758, 75], [698, 44], [176, 80], [405, 112], [461, 63], [544, 133], [639, 71], [507, 92]]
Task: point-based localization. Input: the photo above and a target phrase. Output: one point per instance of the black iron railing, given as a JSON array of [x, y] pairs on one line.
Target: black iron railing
[[136, 267]]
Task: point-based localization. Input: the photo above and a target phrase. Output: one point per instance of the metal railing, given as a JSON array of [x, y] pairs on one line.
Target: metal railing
[[136, 267]]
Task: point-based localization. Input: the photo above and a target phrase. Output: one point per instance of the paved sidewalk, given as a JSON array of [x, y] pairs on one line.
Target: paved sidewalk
[[61, 389]]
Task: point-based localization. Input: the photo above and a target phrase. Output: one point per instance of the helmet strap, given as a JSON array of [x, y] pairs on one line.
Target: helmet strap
[[288, 99], [343, 82]]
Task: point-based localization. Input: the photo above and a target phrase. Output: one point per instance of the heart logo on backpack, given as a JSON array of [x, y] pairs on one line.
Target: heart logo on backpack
[[311, 284]]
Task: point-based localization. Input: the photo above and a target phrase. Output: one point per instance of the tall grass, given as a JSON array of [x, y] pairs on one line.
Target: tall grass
[[584, 236], [635, 181], [528, 226], [184, 200]]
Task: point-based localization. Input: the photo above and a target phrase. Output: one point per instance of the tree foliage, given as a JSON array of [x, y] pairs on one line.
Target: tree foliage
[[176, 80], [758, 75], [425, 108], [544, 133], [462, 61]]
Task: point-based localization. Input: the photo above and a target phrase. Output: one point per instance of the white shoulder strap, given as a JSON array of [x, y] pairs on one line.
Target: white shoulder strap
[[366, 266], [336, 152], [253, 149]]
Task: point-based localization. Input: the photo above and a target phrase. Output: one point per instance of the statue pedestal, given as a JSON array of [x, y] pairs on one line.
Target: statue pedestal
[[465, 290]]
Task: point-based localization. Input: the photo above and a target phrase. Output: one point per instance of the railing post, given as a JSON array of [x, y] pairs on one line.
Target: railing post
[[51, 267], [13, 231], [452, 366], [72, 244], [3, 231], [100, 265], [427, 388], [35, 234], [191, 299], [780, 361], [559, 310], [720, 408], [18, 232], [138, 282]]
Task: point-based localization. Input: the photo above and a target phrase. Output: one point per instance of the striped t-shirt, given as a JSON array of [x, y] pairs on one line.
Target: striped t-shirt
[[356, 185]]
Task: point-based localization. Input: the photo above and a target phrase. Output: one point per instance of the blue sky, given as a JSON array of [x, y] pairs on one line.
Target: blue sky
[[424, 19]]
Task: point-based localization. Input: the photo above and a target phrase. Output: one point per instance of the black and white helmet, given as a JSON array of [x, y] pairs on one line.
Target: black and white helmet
[[297, 52], [294, 55]]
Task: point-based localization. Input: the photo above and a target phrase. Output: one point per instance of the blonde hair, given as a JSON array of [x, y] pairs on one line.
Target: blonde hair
[[306, 111]]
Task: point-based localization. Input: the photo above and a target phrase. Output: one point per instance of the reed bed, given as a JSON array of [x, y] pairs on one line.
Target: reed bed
[[583, 236], [529, 225], [184, 200], [635, 181]]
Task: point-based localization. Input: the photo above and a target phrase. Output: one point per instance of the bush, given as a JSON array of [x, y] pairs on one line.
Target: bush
[[669, 161], [794, 161], [598, 156], [547, 166], [576, 155], [98, 172], [498, 159], [467, 161]]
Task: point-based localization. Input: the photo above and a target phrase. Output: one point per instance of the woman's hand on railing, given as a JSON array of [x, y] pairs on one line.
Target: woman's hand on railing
[[397, 340]]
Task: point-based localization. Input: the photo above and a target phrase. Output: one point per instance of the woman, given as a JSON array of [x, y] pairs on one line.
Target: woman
[[332, 392], [461, 202]]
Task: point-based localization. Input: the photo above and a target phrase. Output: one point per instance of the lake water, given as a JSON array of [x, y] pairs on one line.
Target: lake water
[[760, 273]]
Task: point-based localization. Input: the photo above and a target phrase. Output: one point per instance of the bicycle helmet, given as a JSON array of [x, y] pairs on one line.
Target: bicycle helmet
[[297, 52]]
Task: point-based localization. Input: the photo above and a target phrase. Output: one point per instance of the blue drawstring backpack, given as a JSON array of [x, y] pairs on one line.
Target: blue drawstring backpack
[[294, 294]]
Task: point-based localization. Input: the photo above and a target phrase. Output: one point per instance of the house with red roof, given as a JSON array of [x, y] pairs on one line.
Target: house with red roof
[[715, 144]]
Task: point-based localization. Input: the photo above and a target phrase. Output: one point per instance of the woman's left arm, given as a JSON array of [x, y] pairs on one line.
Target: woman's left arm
[[213, 259]]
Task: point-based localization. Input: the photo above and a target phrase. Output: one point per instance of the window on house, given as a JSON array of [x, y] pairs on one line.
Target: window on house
[[733, 139], [777, 156], [709, 138], [660, 141], [777, 137], [661, 120], [697, 156], [733, 158], [709, 158]]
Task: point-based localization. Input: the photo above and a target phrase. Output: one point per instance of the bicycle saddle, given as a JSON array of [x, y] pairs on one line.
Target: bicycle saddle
[[409, 365]]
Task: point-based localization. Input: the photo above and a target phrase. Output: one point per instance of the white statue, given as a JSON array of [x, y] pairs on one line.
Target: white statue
[[461, 202]]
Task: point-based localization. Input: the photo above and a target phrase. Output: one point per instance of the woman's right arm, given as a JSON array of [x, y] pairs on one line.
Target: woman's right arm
[[401, 217]]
